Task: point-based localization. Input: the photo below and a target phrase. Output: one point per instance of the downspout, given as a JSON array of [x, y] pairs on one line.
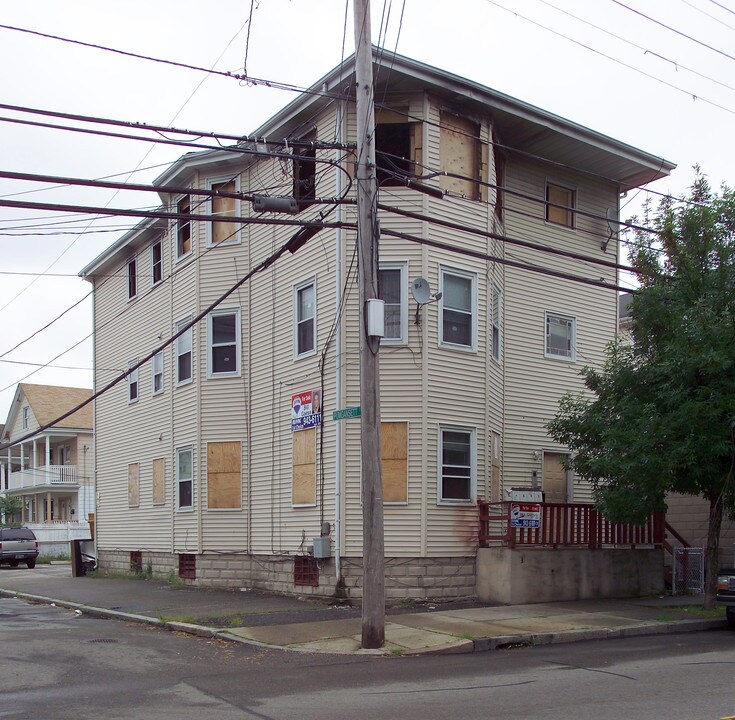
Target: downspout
[[339, 426]]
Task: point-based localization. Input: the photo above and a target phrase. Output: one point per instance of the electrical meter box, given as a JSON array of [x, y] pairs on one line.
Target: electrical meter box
[[322, 547]]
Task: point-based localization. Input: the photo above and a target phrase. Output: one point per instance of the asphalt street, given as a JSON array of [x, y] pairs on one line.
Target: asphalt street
[[56, 664]]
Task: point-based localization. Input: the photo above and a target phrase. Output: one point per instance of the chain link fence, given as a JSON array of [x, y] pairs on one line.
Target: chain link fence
[[687, 571]]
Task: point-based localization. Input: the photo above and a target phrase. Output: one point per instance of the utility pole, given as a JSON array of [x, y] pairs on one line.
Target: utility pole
[[373, 559]]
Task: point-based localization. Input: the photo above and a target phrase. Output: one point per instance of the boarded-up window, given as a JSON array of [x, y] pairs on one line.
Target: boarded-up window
[[499, 160], [461, 156], [304, 467], [159, 481], [560, 196], [223, 475], [495, 468], [223, 232], [304, 172], [394, 447], [134, 485]]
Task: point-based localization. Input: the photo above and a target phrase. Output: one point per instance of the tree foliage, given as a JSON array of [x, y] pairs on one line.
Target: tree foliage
[[659, 417]]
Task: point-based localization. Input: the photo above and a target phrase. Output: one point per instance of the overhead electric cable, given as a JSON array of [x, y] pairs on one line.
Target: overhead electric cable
[[674, 30]]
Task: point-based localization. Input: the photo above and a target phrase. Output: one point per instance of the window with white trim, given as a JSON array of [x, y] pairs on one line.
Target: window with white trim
[[393, 291], [497, 313], [560, 336], [26, 417], [184, 355], [183, 228], [132, 381], [305, 313], [458, 308], [184, 478], [158, 373], [132, 279], [560, 203], [223, 343], [457, 448], [223, 233], [156, 263]]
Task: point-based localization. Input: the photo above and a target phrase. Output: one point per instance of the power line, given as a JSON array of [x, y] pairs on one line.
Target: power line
[[709, 15], [674, 30], [724, 7]]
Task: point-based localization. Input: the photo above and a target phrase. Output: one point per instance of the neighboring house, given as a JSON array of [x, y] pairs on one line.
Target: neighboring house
[[210, 459], [50, 466], [687, 514]]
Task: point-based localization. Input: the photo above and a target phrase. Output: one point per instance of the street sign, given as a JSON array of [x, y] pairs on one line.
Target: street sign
[[346, 413]]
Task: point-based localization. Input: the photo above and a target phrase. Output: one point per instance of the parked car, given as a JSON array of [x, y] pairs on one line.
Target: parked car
[[18, 545], [726, 592]]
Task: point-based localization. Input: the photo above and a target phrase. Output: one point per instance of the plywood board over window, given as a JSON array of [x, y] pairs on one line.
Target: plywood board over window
[[134, 485], [224, 484], [223, 232], [394, 448], [304, 467], [159, 481], [460, 153]]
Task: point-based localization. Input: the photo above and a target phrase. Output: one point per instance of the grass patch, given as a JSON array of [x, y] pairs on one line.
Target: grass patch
[[189, 620], [686, 612], [48, 559], [396, 651], [466, 636]]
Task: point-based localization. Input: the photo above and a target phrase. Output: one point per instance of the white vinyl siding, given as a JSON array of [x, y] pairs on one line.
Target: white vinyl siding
[[560, 337], [457, 464], [223, 343], [305, 318], [497, 315], [184, 355], [458, 307], [157, 365], [184, 478], [393, 291], [132, 382]]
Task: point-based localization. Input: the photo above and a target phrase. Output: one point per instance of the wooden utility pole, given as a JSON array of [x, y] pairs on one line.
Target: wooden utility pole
[[373, 560]]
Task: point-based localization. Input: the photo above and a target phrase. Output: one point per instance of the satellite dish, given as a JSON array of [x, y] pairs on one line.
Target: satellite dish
[[613, 221], [421, 290]]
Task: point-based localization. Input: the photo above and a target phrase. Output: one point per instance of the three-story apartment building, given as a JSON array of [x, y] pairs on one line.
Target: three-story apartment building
[[220, 458]]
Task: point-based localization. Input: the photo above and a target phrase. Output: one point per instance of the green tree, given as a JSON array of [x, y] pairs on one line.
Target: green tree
[[659, 417], [9, 506]]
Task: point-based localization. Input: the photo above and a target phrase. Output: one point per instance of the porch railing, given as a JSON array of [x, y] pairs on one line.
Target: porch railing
[[566, 525], [43, 475]]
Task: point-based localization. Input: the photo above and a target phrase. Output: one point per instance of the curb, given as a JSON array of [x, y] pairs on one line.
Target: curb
[[476, 645]]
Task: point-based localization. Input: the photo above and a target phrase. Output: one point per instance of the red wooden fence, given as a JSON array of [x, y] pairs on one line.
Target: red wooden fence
[[566, 525]]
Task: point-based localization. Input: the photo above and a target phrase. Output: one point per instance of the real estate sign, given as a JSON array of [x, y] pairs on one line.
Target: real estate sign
[[525, 515]]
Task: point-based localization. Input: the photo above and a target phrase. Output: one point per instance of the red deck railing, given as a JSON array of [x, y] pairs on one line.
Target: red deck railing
[[566, 525]]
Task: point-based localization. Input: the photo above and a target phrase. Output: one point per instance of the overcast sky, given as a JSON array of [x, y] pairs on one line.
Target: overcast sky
[[638, 87]]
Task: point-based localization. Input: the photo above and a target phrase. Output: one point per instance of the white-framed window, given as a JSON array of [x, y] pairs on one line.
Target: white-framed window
[[393, 291], [158, 373], [497, 315], [132, 381], [185, 478], [561, 331], [223, 233], [184, 354], [560, 203], [183, 227], [458, 309], [457, 464], [132, 279], [305, 318], [26, 416], [223, 343], [156, 263]]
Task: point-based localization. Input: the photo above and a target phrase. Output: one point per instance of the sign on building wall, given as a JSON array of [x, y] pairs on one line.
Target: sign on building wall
[[525, 515], [306, 409]]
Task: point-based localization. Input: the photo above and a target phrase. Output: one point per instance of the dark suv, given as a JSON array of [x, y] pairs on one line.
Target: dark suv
[[726, 592], [18, 545]]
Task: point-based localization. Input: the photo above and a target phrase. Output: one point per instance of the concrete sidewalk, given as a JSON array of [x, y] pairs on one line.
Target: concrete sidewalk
[[314, 626]]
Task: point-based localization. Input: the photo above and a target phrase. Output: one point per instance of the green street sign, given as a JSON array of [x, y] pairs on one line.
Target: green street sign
[[352, 412]]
